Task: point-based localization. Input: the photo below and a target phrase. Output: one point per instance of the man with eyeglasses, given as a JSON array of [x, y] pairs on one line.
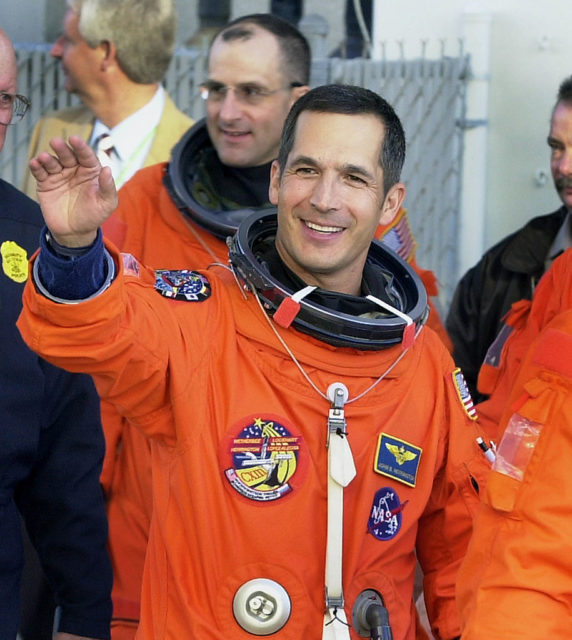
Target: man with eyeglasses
[[51, 442], [13, 107], [114, 56], [258, 66]]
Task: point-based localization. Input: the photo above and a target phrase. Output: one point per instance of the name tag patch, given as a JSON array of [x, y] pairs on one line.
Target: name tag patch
[[397, 459]]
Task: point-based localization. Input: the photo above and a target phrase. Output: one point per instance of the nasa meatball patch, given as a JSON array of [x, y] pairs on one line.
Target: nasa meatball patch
[[386, 514], [182, 284], [263, 459]]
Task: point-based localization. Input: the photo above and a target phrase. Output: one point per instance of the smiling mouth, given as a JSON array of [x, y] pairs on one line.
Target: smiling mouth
[[234, 134], [322, 228]]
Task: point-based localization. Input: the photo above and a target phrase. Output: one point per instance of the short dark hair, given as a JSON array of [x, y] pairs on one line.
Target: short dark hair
[[293, 45], [351, 100], [565, 91]]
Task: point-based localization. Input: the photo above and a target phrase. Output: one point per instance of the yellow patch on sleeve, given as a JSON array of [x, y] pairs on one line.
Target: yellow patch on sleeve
[[14, 261]]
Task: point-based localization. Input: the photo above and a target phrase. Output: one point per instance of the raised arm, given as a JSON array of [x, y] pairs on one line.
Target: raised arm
[[76, 194]]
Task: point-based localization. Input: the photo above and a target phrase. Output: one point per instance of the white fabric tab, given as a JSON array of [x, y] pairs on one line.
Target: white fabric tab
[[388, 307], [342, 466], [300, 295], [334, 541]]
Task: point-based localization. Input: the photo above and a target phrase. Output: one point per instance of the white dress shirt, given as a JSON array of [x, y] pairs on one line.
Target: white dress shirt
[[132, 138]]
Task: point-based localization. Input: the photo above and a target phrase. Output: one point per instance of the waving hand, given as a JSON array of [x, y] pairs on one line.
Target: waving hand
[[76, 194]]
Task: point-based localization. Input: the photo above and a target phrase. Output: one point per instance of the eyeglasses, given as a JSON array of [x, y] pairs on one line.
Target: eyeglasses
[[13, 107], [249, 94]]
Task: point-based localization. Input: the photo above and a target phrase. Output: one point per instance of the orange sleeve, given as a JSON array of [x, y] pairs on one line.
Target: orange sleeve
[[522, 326], [66, 335]]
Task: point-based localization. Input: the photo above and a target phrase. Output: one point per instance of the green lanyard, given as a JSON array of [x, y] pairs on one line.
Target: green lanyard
[[131, 160]]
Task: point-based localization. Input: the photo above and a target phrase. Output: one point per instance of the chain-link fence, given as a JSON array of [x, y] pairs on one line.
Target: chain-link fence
[[428, 95]]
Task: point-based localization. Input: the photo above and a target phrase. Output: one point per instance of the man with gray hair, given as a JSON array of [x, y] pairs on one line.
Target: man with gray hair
[[51, 445], [114, 55]]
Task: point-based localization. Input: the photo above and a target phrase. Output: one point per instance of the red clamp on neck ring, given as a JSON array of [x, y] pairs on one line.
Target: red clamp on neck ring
[[289, 307]]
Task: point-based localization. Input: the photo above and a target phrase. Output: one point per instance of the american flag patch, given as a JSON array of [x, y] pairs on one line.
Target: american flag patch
[[464, 394], [399, 237]]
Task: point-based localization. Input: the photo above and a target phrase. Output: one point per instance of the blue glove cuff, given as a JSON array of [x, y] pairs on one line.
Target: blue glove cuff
[[68, 275]]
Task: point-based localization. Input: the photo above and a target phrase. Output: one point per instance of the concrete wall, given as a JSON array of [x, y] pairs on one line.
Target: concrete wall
[[530, 53]]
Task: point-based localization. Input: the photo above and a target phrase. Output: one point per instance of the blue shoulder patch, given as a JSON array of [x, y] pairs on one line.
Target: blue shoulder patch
[[182, 285], [397, 459]]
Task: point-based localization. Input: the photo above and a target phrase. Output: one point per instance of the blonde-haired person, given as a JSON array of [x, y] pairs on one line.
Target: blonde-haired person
[[114, 55]]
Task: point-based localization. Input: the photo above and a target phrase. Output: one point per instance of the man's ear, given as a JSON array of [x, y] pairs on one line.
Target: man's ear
[[392, 203], [274, 182], [109, 54], [298, 92]]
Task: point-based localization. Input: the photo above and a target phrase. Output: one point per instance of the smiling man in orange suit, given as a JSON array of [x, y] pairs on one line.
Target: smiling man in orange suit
[[280, 505]]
